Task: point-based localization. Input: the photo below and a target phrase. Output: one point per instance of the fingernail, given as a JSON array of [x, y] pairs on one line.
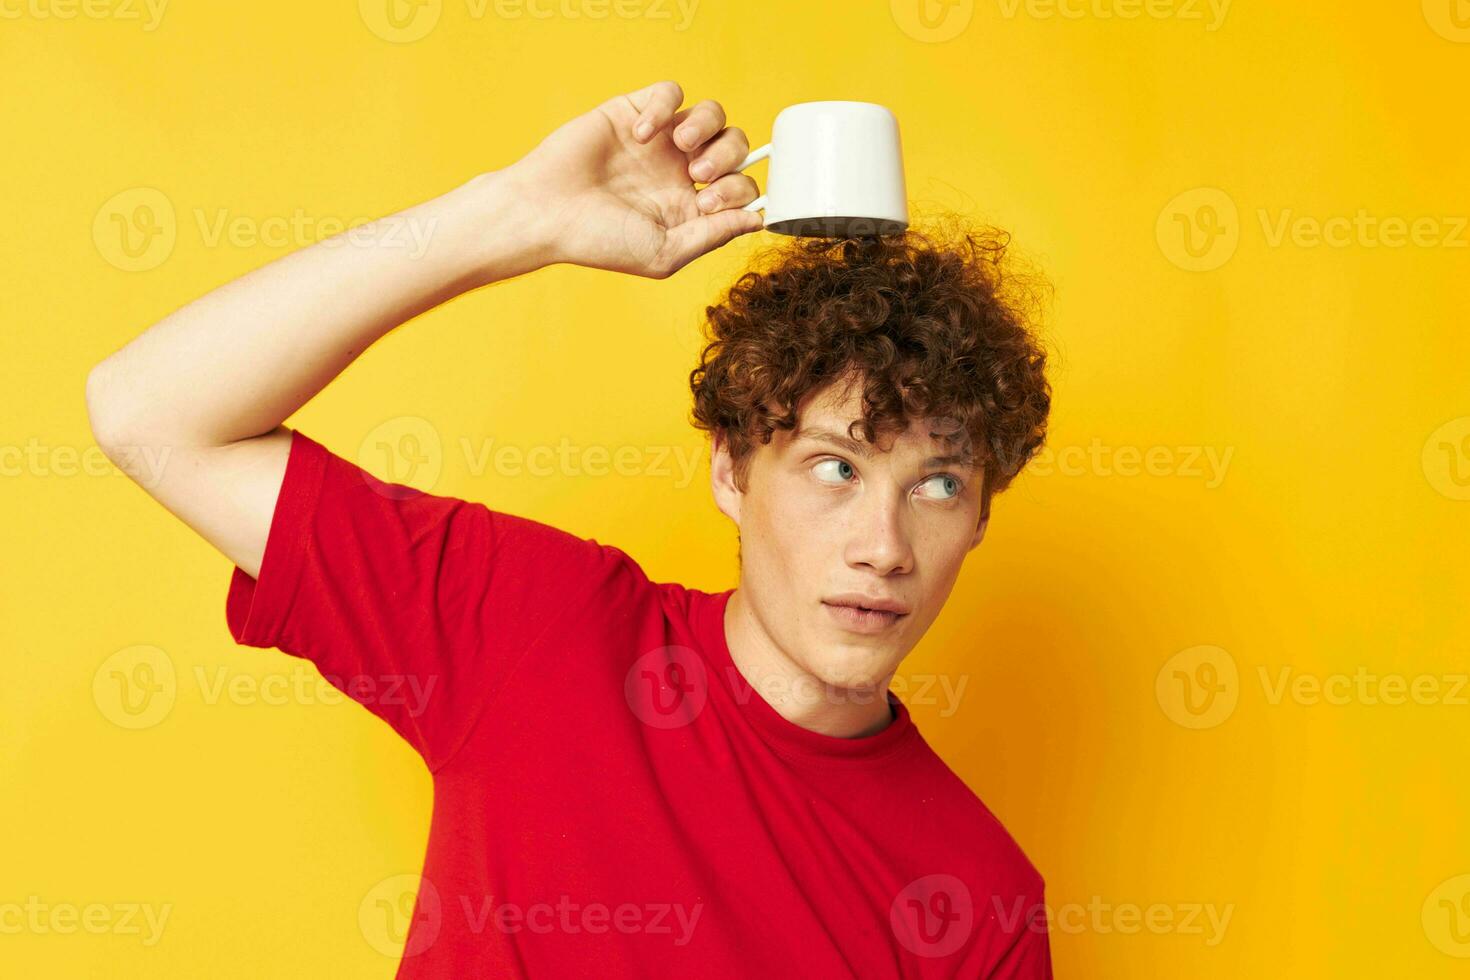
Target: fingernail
[[703, 169], [643, 129], [683, 137], [706, 200]]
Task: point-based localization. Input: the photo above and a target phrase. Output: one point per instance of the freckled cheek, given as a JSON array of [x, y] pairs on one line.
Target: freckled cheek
[[946, 539], [942, 569], [803, 531], [802, 543], [940, 551]]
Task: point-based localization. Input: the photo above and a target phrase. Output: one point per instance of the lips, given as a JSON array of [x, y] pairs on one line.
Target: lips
[[865, 614], [860, 600]]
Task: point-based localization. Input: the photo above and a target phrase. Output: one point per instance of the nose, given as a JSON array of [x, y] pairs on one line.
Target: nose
[[879, 536]]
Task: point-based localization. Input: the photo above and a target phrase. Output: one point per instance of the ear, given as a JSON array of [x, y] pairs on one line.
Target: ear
[[722, 478], [984, 521]]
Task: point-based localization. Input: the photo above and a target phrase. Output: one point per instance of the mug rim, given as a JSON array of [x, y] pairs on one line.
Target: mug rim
[[799, 105]]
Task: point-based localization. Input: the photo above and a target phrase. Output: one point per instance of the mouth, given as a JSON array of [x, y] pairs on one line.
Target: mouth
[[853, 615]]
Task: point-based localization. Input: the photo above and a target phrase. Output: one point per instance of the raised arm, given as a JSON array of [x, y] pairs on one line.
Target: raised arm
[[192, 409]]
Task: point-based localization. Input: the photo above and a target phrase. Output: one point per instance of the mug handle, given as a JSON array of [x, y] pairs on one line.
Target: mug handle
[[755, 157]]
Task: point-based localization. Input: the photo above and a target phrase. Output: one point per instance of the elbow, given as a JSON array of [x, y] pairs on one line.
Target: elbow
[[103, 413]]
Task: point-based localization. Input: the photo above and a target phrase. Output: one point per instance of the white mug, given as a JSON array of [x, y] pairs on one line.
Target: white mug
[[836, 171]]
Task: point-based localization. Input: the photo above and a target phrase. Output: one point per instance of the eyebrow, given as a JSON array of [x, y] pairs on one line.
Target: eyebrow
[[859, 448]]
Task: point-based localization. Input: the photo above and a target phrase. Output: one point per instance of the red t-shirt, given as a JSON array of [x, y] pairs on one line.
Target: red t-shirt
[[610, 798]]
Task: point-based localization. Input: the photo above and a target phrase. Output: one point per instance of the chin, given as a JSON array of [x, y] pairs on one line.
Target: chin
[[854, 668]]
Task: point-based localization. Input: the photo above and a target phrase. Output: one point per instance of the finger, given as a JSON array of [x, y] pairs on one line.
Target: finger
[[656, 106], [720, 155], [698, 123], [730, 191], [693, 238]]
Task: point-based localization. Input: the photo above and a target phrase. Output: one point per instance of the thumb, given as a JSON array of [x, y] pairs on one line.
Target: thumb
[[707, 232]]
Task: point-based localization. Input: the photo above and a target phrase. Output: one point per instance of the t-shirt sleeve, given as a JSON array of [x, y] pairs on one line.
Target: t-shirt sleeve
[[1029, 954], [415, 605]]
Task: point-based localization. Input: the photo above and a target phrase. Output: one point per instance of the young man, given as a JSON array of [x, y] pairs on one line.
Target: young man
[[634, 778]]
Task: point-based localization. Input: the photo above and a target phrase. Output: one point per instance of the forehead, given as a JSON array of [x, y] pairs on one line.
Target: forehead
[[833, 409]]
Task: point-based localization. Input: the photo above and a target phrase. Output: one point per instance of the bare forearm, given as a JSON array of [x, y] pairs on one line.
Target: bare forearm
[[238, 361], [193, 408]]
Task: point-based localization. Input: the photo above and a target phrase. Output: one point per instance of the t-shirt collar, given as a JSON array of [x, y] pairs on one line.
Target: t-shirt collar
[[787, 737]]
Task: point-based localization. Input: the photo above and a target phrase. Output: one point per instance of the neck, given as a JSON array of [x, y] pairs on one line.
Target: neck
[[798, 695]]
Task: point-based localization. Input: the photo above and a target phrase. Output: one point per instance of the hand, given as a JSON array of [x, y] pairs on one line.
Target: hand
[[614, 188]]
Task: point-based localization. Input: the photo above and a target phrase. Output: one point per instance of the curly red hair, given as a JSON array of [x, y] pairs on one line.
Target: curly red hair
[[933, 325]]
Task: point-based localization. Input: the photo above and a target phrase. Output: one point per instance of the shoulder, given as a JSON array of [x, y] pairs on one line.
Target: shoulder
[[970, 896], [979, 873], [601, 590], [983, 845], [558, 557]]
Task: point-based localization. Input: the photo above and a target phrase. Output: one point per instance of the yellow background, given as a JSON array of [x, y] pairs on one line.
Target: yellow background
[[1335, 376]]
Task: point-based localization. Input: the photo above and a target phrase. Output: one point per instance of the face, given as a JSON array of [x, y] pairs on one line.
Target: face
[[825, 520]]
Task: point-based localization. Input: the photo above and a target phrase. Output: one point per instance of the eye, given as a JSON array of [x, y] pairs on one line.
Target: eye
[[950, 485], [841, 468]]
